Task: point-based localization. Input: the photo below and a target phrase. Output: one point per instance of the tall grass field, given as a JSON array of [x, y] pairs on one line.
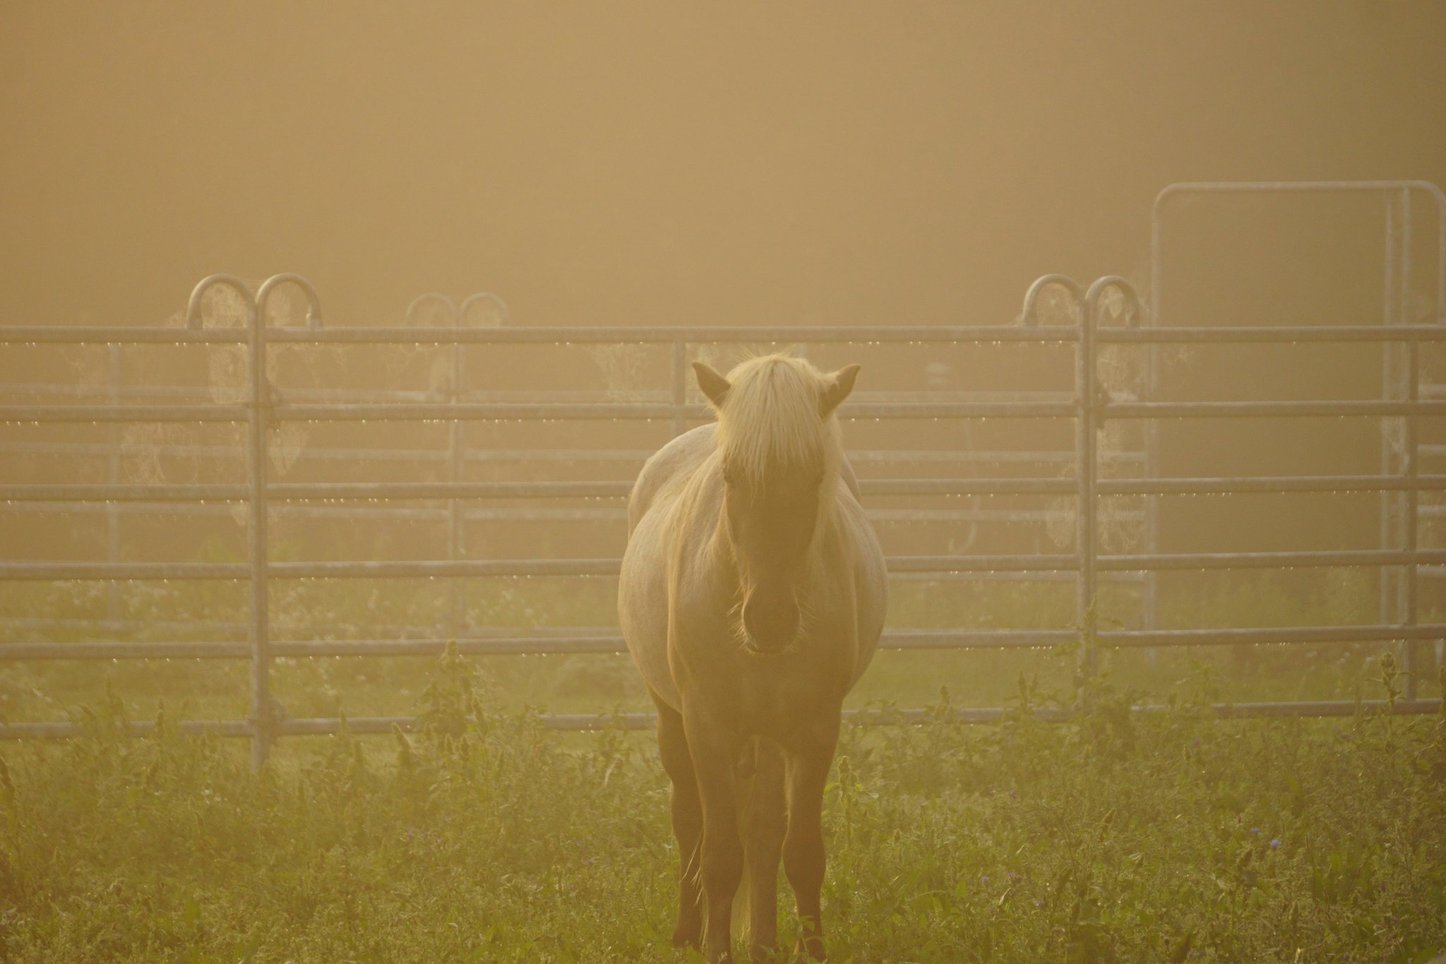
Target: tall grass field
[[484, 836]]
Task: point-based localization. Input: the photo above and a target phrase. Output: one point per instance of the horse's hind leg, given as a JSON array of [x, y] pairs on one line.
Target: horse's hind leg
[[687, 822], [763, 833]]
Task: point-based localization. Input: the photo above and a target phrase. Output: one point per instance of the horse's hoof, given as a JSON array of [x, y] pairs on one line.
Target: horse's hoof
[[809, 950]]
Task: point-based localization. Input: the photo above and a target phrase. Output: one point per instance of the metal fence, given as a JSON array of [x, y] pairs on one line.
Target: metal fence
[[1089, 409], [1399, 205]]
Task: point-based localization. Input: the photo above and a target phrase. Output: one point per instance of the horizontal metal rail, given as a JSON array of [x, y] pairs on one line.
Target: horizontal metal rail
[[433, 491], [670, 335], [657, 411], [794, 334], [1264, 636], [1234, 485], [1284, 409], [603, 643], [48, 571], [534, 644], [612, 513], [115, 335], [555, 335], [118, 492], [502, 412], [1271, 334], [592, 722], [421, 491], [541, 456], [897, 565], [460, 568], [489, 456], [617, 411], [1270, 560], [111, 414], [797, 334]]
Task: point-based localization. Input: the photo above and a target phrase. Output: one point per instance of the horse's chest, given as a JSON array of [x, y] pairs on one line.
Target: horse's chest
[[774, 697], [761, 698]]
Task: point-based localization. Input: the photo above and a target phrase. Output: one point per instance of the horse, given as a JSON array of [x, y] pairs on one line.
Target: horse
[[751, 597]]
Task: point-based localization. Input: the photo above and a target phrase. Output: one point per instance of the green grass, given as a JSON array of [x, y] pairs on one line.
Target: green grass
[[487, 837]]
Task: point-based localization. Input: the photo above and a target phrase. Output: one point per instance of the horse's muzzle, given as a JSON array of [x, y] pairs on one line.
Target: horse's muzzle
[[771, 625]]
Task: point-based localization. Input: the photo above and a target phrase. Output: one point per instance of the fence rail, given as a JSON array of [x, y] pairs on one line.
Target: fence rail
[[1089, 410]]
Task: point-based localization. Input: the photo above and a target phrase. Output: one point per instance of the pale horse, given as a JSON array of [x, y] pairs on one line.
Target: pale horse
[[752, 598]]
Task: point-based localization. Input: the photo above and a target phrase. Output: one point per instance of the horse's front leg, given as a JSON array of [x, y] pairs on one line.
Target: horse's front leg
[[715, 753], [763, 842], [803, 850], [687, 821]]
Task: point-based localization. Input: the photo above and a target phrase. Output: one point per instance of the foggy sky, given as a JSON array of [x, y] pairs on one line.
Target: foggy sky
[[661, 163]]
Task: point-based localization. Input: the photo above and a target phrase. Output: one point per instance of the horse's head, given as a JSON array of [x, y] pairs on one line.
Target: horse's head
[[779, 454]]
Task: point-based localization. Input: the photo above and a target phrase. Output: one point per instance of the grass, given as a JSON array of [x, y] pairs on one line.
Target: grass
[[486, 837]]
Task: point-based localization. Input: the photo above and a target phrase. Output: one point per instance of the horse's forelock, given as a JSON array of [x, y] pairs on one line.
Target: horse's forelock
[[770, 419]]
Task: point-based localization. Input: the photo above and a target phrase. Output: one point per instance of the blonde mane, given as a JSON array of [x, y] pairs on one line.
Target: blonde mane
[[771, 418]]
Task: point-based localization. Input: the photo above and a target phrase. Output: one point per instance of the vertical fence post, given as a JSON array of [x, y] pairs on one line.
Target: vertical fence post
[[1092, 400], [259, 544], [1398, 434], [1410, 376], [1411, 444], [258, 628], [263, 707], [457, 450], [1150, 603], [1086, 514], [1390, 535], [113, 475], [456, 544], [449, 388], [1086, 458]]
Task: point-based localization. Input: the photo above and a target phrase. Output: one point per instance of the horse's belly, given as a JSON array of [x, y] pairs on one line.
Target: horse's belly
[[643, 604]]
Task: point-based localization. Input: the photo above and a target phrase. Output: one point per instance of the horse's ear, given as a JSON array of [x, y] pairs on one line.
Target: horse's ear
[[714, 385], [840, 384]]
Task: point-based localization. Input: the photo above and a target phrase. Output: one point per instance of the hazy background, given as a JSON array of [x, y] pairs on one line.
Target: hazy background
[[665, 163], [612, 163], [739, 164]]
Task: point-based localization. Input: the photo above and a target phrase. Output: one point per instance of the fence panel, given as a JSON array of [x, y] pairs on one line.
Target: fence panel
[[1089, 410]]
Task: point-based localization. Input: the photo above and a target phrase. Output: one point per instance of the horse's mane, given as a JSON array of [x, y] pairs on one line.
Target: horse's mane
[[770, 417]]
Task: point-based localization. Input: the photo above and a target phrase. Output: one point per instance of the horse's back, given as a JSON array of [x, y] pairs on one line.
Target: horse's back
[[667, 468]]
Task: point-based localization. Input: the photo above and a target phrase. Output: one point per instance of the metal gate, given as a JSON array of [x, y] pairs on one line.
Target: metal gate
[[1400, 486]]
